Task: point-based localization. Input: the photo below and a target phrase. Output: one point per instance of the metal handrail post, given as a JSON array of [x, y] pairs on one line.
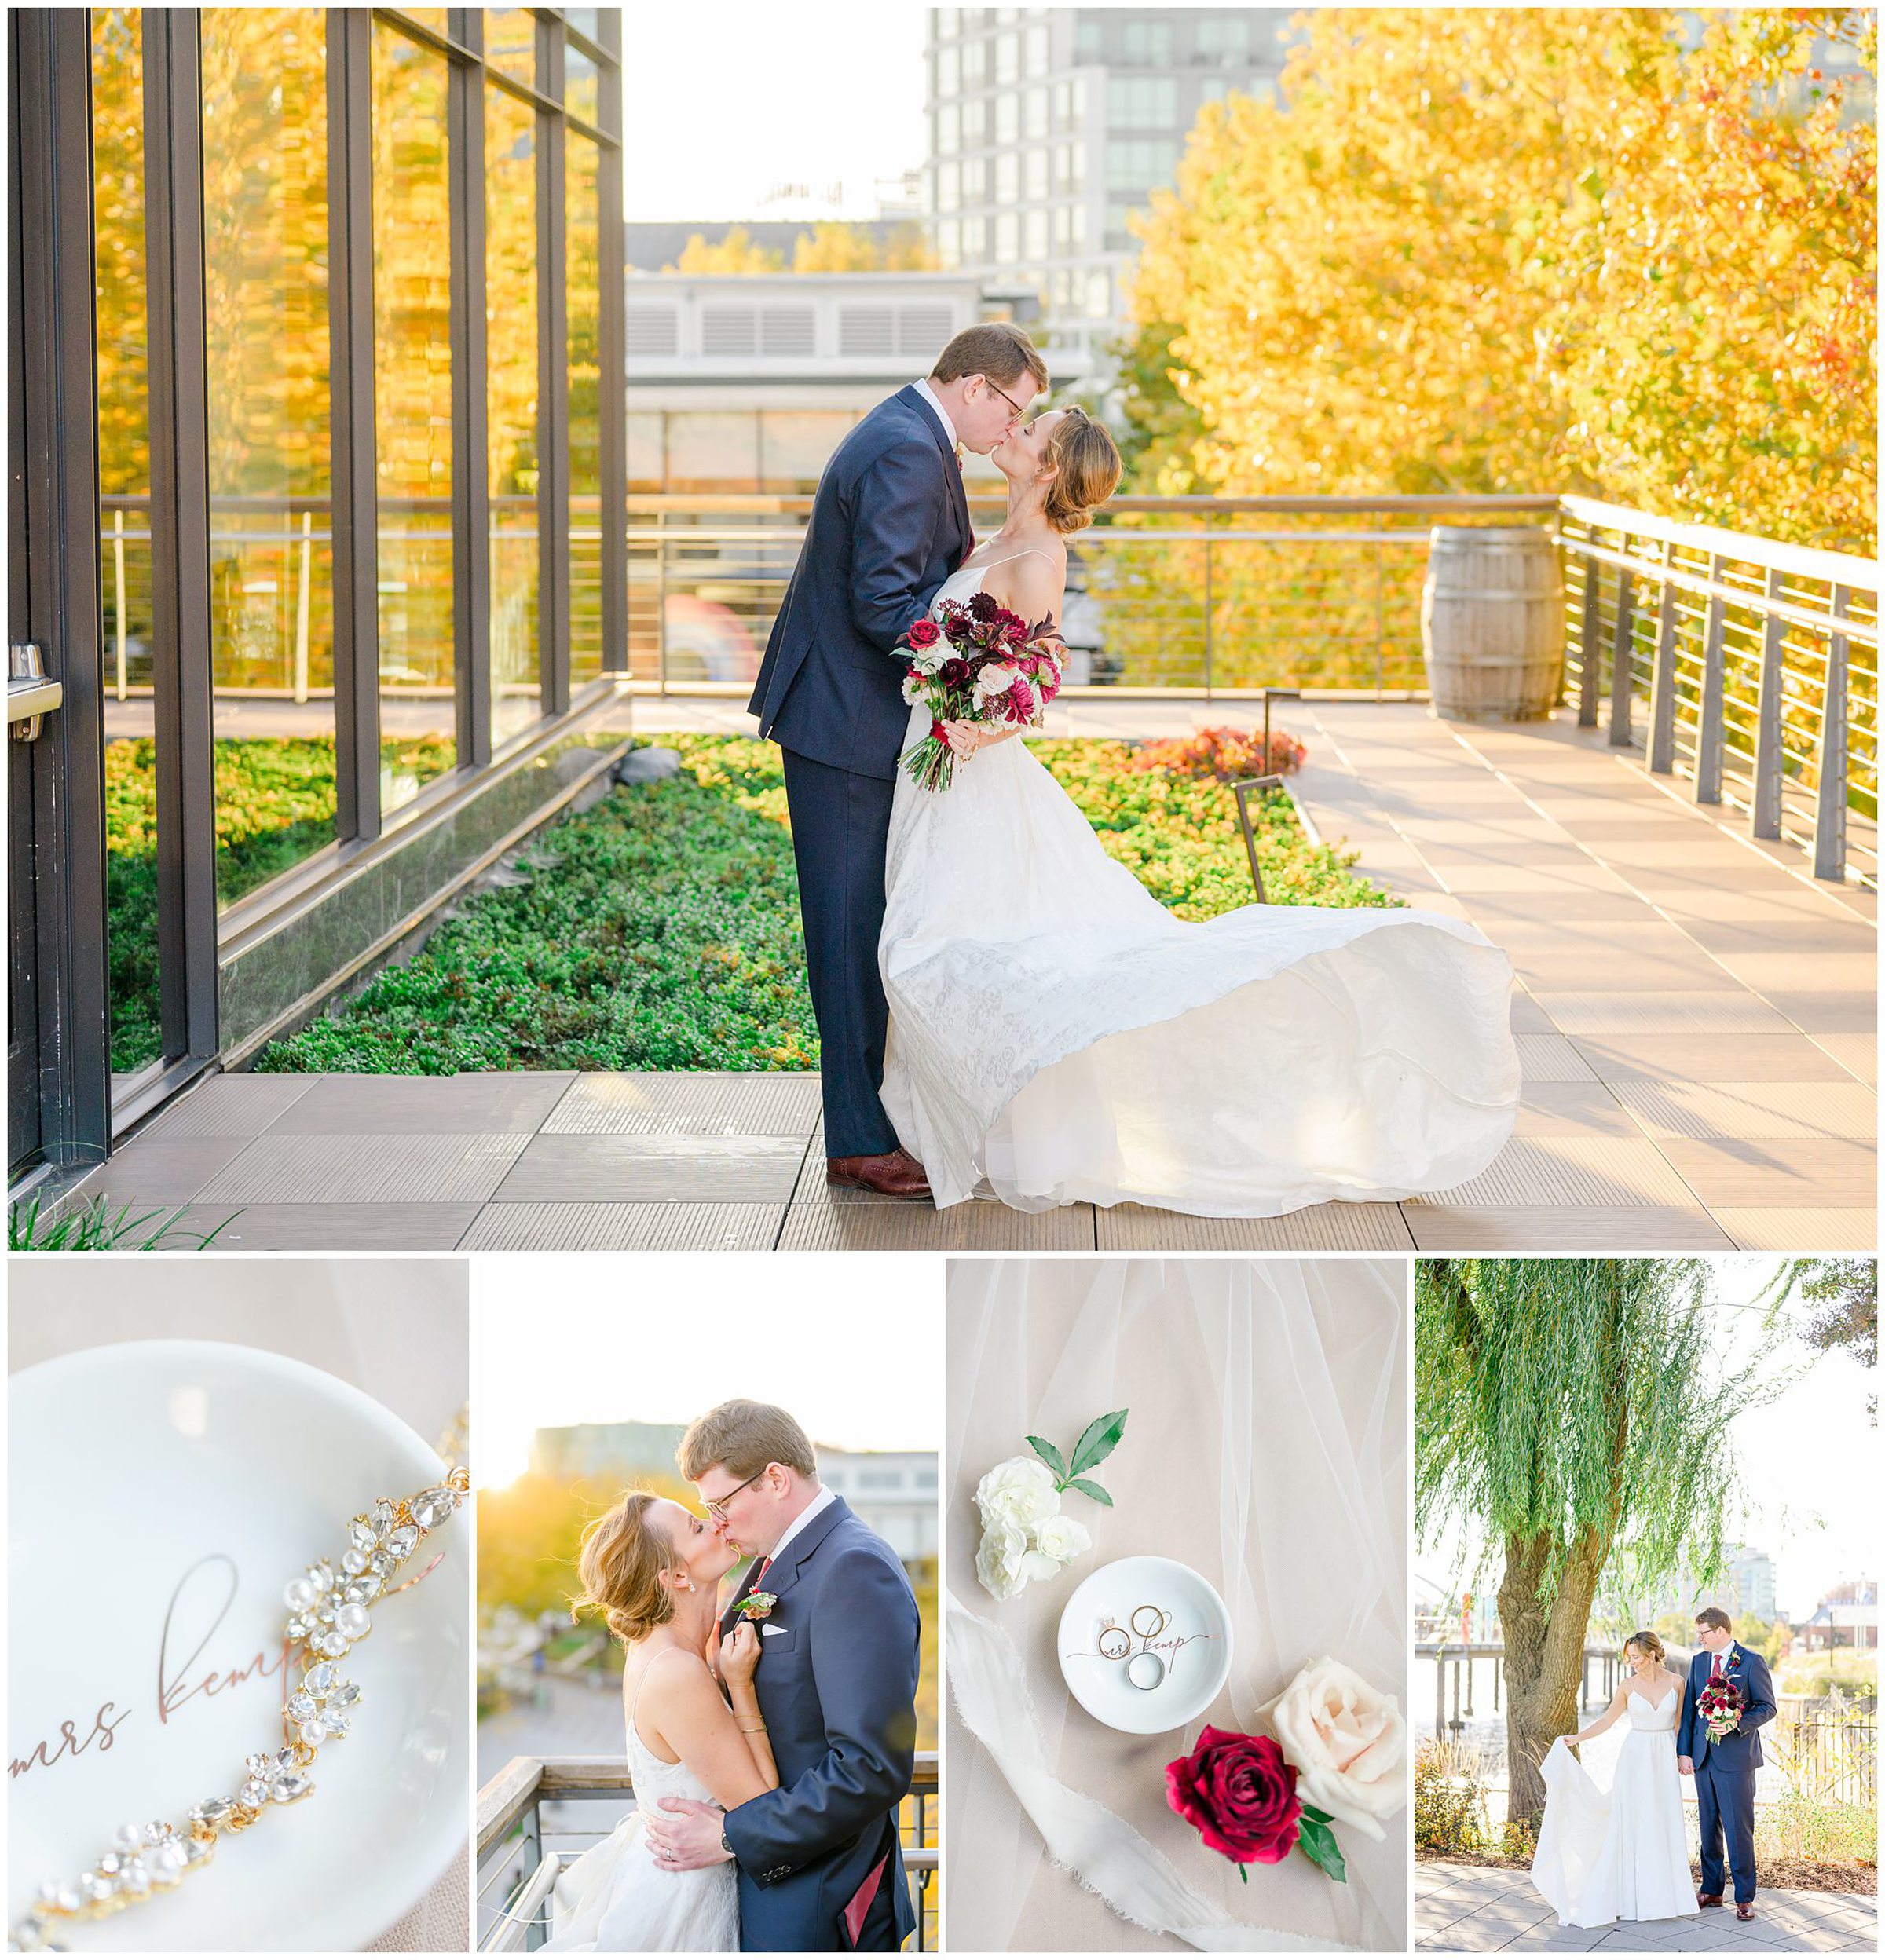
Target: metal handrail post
[[1764, 806], [1207, 618], [1712, 709], [1829, 808], [1622, 661], [1662, 685], [1587, 641]]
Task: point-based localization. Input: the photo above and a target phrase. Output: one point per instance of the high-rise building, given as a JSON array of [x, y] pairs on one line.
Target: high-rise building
[[1049, 125], [1755, 1587]]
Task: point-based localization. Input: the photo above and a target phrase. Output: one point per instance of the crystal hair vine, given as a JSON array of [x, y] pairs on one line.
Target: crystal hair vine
[[327, 1617]]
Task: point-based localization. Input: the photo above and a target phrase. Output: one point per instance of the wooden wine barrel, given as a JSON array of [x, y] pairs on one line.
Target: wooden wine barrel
[[1492, 622]]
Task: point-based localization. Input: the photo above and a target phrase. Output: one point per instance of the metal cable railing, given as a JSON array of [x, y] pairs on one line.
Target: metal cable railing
[[537, 1815], [1749, 667]]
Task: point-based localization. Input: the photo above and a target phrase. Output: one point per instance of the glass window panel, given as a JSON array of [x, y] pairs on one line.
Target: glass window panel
[[647, 467], [797, 444], [949, 72], [511, 331], [412, 413], [1034, 117], [124, 483], [582, 93], [511, 41], [949, 129], [1007, 117], [1007, 238], [1036, 177], [264, 211], [582, 216], [1008, 57], [1007, 177], [713, 449], [586, 20], [1036, 58]]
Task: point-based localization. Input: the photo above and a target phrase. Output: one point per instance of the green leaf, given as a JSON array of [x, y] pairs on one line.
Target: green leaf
[[1102, 1435], [1243, 1872], [1088, 1489], [1317, 1844], [1049, 1455]]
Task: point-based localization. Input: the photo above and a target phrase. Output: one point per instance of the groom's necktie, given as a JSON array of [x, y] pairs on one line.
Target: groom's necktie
[[1714, 1671], [760, 1580]]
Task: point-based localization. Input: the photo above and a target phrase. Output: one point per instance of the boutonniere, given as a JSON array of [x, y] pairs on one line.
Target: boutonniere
[[758, 1606]]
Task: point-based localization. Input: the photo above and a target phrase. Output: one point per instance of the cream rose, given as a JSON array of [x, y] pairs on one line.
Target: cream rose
[[1019, 1492], [1061, 1538], [1348, 1743]]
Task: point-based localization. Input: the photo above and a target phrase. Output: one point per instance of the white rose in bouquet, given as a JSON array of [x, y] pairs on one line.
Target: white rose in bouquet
[[996, 679], [1061, 1538], [1019, 1491], [1348, 1743], [1007, 1559]]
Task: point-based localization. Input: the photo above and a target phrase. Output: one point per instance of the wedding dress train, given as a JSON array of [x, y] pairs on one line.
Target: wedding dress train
[[1055, 1030], [1623, 1853], [615, 1899]]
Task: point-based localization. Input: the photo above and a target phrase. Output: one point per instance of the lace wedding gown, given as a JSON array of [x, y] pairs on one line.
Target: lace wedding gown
[[1055, 1030], [1623, 1853], [615, 1899]]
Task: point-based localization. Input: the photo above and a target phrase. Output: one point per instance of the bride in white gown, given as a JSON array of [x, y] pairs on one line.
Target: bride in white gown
[[654, 1570], [1056, 1031], [1621, 1853]]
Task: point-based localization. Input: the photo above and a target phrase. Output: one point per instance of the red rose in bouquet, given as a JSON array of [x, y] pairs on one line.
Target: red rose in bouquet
[[1721, 1705], [978, 663]]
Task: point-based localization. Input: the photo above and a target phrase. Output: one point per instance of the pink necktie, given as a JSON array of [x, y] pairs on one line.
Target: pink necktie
[[1715, 1671]]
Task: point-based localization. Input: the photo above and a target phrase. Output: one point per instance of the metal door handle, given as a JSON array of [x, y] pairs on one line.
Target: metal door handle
[[31, 696]]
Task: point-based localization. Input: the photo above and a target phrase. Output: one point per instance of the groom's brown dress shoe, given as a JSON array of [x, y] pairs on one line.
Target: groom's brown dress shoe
[[1743, 1908], [1708, 1898], [895, 1174]]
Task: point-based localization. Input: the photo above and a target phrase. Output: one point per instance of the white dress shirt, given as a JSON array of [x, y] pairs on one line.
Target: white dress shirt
[[941, 414], [823, 1501]]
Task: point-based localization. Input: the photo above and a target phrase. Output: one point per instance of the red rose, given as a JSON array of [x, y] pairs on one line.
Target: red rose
[[924, 633], [1241, 1795]]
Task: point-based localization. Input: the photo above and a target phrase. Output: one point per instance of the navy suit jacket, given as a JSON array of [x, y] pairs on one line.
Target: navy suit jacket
[[839, 1659], [1740, 1752], [889, 524]]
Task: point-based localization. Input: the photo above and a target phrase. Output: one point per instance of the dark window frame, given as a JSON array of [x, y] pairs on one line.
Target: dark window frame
[[192, 935]]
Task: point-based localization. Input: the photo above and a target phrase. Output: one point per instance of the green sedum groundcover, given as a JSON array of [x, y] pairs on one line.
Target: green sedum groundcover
[[661, 929]]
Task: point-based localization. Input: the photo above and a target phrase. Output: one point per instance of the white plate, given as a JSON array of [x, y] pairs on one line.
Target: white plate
[[161, 1495], [1180, 1622]]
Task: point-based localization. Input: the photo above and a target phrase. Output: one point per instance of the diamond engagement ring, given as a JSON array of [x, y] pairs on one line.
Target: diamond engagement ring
[[328, 1616]]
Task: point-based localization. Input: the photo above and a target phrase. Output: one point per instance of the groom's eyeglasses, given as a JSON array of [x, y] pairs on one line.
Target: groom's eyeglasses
[[716, 1507], [1007, 397]]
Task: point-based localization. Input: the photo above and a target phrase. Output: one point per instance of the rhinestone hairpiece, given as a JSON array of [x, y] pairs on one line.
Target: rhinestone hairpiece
[[327, 1617]]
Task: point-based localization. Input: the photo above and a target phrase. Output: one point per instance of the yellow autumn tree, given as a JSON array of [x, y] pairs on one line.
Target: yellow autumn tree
[[738, 252], [1530, 248], [855, 248]]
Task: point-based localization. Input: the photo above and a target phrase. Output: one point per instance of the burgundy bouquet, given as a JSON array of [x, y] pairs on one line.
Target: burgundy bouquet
[[978, 663], [1721, 1705], [1241, 1795]]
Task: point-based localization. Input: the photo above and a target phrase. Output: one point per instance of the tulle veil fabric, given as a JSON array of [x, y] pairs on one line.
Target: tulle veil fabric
[[1267, 1448]]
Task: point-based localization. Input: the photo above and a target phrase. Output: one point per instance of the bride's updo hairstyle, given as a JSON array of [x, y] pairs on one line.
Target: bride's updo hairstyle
[[621, 1565], [1087, 470], [1646, 1643]]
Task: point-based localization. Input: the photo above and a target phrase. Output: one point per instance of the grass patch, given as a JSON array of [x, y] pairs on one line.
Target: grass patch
[[661, 929]]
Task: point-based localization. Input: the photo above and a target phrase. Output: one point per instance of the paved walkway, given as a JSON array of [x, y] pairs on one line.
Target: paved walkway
[[1696, 1023], [1477, 1909]]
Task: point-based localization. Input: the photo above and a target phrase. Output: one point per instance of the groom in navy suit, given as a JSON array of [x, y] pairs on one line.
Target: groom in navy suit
[[889, 524], [1723, 1766], [821, 1861]]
